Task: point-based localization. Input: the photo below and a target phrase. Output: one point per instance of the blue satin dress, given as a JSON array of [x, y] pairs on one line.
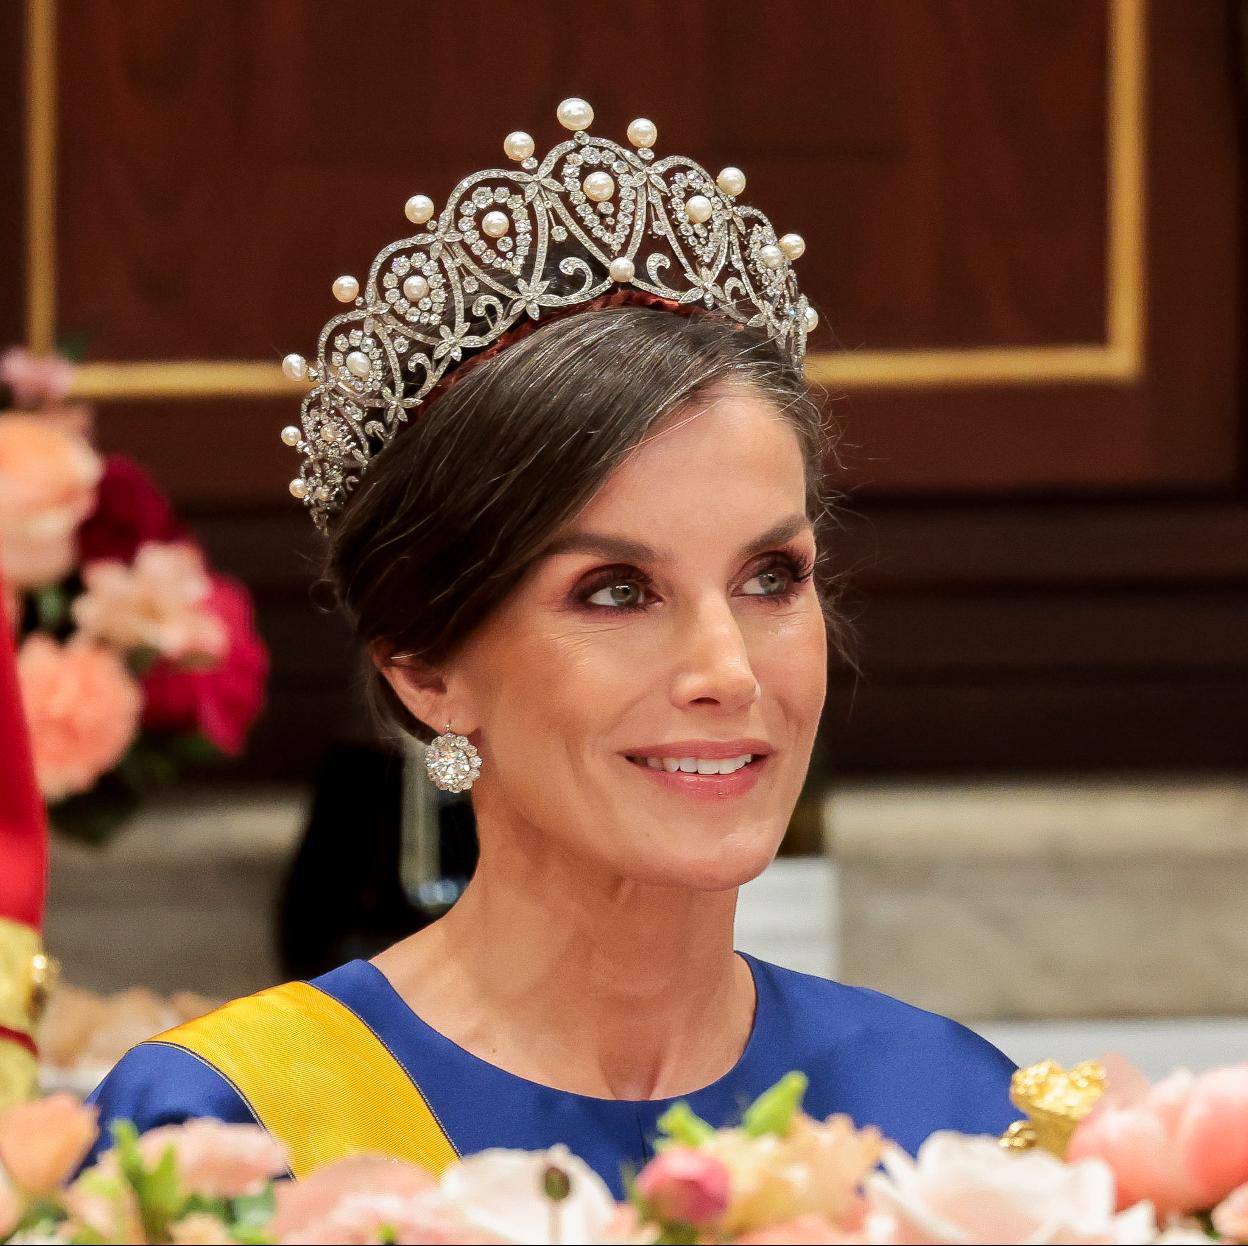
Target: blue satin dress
[[881, 1061]]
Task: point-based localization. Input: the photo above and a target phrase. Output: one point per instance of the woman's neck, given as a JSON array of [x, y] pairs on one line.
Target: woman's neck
[[578, 979]]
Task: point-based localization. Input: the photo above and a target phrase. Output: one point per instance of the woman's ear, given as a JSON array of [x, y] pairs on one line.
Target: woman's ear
[[419, 686]]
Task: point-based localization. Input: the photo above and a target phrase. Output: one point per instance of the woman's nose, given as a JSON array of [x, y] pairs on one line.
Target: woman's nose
[[715, 665]]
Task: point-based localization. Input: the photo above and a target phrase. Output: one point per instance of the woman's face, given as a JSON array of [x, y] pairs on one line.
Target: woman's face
[[673, 619]]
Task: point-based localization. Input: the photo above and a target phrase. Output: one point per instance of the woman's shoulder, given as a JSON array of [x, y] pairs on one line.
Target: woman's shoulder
[[887, 1061], [184, 1072]]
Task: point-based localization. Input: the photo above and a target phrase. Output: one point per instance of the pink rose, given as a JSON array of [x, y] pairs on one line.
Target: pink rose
[[1182, 1144], [82, 708], [685, 1185], [157, 603], [218, 1160], [222, 702], [964, 1189], [129, 510], [36, 380], [1230, 1216], [48, 477], [354, 1199], [43, 1142]]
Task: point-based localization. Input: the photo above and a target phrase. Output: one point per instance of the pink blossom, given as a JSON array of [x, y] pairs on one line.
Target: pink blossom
[[48, 478], [36, 380], [82, 708], [354, 1199], [1230, 1216], [963, 1189], [157, 603], [1182, 1144], [220, 703], [685, 1185], [218, 1160], [43, 1142]]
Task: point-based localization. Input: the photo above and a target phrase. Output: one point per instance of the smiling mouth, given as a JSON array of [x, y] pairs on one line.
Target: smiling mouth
[[715, 767]]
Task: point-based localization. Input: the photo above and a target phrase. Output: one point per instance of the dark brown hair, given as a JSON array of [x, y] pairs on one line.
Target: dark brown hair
[[448, 519]]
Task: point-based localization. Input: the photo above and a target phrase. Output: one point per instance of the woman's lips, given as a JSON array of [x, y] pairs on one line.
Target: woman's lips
[[705, 786]]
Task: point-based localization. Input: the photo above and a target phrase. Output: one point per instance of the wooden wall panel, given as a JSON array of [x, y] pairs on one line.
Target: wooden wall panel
[[1053, 570]]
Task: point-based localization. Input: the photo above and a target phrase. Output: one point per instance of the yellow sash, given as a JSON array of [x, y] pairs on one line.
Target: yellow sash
[[317, 1078]]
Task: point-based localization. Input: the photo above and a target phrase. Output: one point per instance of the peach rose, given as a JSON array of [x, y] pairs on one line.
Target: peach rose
[[964, 1189], [11, 1206], [815, 1169], [1230, 1216], [48, 477], [43, 1142], [215, 1159], [82, 707], [102, 1207], [368, 1198], [201, 1229], [157, 603], [801, 1231], [36, 380], [1183, 1143]]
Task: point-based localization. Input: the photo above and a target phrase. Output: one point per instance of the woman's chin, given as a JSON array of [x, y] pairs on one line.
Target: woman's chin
[[728, 863]]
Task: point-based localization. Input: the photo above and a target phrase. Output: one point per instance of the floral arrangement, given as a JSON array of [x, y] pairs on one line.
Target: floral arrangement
[[1166, 1163], [135, 660]]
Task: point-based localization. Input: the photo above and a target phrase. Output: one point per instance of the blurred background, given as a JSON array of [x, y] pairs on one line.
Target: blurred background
[[1025, 228]]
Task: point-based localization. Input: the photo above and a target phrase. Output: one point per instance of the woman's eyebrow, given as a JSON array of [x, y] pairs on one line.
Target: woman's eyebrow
[[623, 550]]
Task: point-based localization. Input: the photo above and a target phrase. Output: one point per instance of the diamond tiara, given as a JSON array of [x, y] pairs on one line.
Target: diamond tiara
[[591, 217]]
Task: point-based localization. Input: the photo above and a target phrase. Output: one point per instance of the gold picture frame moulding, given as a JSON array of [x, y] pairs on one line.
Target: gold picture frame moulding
[[1118, 359]]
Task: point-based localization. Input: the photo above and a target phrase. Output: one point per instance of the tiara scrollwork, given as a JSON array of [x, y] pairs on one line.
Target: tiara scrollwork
[[591, 216]]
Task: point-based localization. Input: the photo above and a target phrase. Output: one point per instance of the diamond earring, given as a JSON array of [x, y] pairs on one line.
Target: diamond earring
[[453, 763]]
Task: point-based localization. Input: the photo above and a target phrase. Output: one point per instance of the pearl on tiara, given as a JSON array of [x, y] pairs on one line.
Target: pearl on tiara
[[518, 145], [643, 132], [793, 245], [599, 186], [698, 209], [514, 245], [495, 224], [418, 209], [575, 114]]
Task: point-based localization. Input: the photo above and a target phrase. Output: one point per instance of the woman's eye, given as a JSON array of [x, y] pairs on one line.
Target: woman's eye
[[621, 595], [775, 581]]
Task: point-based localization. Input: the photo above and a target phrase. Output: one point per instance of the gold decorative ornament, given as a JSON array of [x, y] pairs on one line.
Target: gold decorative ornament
[[1055, 1100]]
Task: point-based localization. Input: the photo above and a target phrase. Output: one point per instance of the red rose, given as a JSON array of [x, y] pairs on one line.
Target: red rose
[[129, 510], [220, 703]]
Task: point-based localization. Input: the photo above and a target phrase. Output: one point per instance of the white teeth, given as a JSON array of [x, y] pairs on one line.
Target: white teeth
[[696, 765]]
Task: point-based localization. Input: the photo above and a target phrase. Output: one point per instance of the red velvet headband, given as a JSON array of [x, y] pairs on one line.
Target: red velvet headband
[[521, 330]]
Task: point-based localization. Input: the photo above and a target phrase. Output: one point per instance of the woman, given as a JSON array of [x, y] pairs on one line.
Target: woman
[[590, 564]]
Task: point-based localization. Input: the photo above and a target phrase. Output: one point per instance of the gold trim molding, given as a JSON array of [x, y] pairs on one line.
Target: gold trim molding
[[1119, 359]]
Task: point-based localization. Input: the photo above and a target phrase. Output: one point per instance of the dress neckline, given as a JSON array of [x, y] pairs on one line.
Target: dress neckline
[[449, 1047]]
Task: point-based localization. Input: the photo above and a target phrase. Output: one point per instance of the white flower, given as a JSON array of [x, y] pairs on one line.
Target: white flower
[[967, 1190], [502, 1193]]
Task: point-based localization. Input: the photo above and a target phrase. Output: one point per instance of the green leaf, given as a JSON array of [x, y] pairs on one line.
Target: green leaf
[[252, 1211], [51, 607], [682, 1124], [773, 1111]]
